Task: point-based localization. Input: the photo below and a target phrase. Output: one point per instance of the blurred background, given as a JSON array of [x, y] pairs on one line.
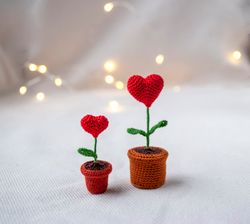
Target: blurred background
[[61, 60], [77, 45]]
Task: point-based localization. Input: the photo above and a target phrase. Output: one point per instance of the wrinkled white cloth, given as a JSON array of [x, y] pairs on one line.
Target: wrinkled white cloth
[[75, 38], [208, 178]]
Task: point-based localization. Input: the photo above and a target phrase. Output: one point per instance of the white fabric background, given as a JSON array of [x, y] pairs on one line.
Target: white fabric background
[[208, 132], [208, 167]]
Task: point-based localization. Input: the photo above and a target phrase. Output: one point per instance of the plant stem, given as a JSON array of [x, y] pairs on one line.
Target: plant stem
[[148, 121], [95, 148]]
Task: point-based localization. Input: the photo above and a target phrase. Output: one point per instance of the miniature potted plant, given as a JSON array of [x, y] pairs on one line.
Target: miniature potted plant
[[96, 171], [147, 163]]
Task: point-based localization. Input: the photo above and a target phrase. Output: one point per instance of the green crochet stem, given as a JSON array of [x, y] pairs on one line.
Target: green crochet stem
[[89, 152], [95, 144], [148, 123], [149, 131]]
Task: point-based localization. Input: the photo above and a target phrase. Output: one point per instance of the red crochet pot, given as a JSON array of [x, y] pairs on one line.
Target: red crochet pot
[[96, 180]]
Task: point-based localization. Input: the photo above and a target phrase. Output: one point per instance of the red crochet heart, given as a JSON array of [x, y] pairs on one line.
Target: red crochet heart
[[94, 124], [145, 90]]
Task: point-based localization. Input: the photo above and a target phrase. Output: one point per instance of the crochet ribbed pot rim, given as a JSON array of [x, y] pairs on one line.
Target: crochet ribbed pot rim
[[96, 173], [133, 154]]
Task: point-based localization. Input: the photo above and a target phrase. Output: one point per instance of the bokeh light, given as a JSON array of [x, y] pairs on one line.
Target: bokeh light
[[119, 85], [236, 55], [114, 106], [40, 96], [23, 90], [42, 69], [109, 79], [58, 82], [32, 67], [108, 7], [159, 59], [109, 66]]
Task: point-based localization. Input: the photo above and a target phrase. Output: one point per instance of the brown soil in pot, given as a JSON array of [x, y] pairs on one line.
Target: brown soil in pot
[[149, 150], [98, 165]]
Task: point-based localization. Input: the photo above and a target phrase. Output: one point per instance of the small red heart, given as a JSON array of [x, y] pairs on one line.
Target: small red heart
[[94, 124], [145, 90]]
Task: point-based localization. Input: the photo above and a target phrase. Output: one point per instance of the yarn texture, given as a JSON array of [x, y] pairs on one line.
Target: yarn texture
[[94, 124], [96, 180], [147, 171], [145, 90]]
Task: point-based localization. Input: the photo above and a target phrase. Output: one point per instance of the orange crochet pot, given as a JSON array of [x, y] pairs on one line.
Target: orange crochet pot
[[147, 171], [96, 180]]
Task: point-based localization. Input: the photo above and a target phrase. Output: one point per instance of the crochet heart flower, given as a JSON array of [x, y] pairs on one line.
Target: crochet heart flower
[[145, 90], [94, 124]]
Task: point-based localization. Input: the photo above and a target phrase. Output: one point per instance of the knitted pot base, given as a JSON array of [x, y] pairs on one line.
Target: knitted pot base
[[96, 180], [147, 171]]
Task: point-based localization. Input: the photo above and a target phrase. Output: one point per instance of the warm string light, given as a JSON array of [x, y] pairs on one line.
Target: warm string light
[[114, 107], [109, 79], [109, 66], [32, 67], [119, 85], [40, 96], [42, 69], [235, 57], [159, 59], [58, 82], [23, 90], [39, 68], [108, 7]]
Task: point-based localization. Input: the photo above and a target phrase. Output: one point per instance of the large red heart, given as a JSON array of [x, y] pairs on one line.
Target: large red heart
[[94, 124], [145, 90]]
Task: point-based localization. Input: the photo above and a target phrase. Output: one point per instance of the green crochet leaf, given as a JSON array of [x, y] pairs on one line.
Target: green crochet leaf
[[134, 131], [160, 124], [87, 152]]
